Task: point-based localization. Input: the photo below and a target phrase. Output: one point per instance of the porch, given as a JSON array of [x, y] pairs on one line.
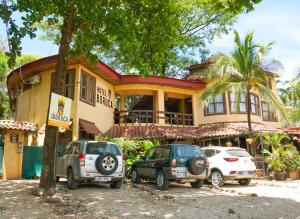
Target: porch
[[150, 107]]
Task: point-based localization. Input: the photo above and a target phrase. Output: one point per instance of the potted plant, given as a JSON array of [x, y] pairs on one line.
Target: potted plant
[[292, 162], [276, 164]]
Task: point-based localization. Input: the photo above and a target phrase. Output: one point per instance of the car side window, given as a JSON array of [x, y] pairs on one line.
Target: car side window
[[157, 153], [209, 152], [71, 148], [165, 153], [150, 153]]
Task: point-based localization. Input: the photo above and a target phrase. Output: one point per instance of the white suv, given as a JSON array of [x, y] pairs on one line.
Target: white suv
[[229, 163], [91, 161]]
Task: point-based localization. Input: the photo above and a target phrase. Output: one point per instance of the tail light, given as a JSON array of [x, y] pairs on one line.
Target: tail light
[[173, 163], [253, 159], [123, 160], [231, 159], [81, 158]]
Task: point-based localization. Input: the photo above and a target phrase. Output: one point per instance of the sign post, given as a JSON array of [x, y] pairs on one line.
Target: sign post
[[59, 116]]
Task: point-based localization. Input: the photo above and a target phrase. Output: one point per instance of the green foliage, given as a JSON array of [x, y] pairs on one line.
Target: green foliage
[[283, 155], [133, 150], [242, 71], [274, 139], [162, 40], [292, 158], [5, 110]]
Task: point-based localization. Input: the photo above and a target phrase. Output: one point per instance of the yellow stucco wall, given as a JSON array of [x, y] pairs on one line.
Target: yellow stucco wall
[[12, 159], [32, 104]]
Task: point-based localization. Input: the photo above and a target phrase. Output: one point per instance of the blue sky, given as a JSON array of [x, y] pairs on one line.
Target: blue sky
[[272, 20]]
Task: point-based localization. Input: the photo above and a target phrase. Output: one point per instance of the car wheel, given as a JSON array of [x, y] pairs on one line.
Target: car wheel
[[216, 178], [162, 182], [135, 178], [198, 184], [57, 179], [244, 182], [116, 184], [72, 183]]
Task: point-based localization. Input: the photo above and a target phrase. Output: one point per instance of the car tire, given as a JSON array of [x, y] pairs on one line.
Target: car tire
[[198, 184], [116, 184], [135, 177], [107, 163], [244, 182], [217, 179], [196, 165], [72, 183], [57, 179], [162, 182]]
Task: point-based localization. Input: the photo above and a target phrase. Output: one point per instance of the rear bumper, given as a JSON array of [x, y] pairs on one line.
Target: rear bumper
[[182, 174], [241, 175], [108, 178]]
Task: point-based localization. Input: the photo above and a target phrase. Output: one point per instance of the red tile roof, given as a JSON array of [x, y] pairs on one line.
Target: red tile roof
[[293, 131], [17, 125], [201, 132]]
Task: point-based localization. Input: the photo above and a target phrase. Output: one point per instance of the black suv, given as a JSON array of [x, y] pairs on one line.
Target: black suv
[[180, 163]]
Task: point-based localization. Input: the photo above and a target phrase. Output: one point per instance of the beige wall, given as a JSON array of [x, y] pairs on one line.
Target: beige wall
[[101, 115], [230, 117]]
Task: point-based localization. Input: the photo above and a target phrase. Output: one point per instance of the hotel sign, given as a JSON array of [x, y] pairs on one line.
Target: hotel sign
[[60, 111], [104, 97]]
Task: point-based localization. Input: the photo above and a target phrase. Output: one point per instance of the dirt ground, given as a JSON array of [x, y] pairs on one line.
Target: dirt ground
[[142, 201]]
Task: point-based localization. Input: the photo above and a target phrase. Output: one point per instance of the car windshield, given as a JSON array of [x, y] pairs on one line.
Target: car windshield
[[102, 147], [188, 151], [238, 153]]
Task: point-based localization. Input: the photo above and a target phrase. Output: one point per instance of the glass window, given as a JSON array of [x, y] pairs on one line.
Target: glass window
[[216, 106], [69, 84], [242, 107], [87, 88], [209, 152], [238, 153], [267, 113], [188, 151], [102, 147]]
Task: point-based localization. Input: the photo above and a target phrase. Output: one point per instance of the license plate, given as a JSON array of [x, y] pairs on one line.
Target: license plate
[[181, 174], [103, 179], [245, 173]]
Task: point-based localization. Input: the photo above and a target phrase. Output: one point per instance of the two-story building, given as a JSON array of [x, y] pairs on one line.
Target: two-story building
[[105, 102]]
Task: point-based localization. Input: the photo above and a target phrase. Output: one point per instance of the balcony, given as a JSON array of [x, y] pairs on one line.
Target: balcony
[[140, 117]]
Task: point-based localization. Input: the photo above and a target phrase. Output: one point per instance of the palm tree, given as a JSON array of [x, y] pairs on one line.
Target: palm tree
[[241, 72]]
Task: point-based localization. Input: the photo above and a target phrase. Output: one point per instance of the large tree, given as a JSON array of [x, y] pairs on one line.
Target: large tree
[[197, 23], [242, 72], [140, 31]]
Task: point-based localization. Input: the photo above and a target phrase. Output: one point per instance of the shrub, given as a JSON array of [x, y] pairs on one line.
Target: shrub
[[133, 150]]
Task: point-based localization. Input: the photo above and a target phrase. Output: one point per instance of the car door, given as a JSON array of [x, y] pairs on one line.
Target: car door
[[156, 161], [67, 157], [60, 161], [143, 164]]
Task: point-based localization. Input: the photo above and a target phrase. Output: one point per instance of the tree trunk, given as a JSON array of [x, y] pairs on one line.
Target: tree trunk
[[47, 180], [248, 103]]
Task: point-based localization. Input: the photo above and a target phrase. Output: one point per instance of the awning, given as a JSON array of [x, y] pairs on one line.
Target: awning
[[89, 127]]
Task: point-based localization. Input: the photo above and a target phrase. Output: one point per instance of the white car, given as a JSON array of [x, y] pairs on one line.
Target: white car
[[91, 161], [229, 163]]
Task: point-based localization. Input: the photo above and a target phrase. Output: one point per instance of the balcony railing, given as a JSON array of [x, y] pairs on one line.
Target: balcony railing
[[152, 117]]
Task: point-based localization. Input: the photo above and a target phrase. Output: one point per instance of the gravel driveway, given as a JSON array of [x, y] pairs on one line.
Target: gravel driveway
[[144, 201]]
